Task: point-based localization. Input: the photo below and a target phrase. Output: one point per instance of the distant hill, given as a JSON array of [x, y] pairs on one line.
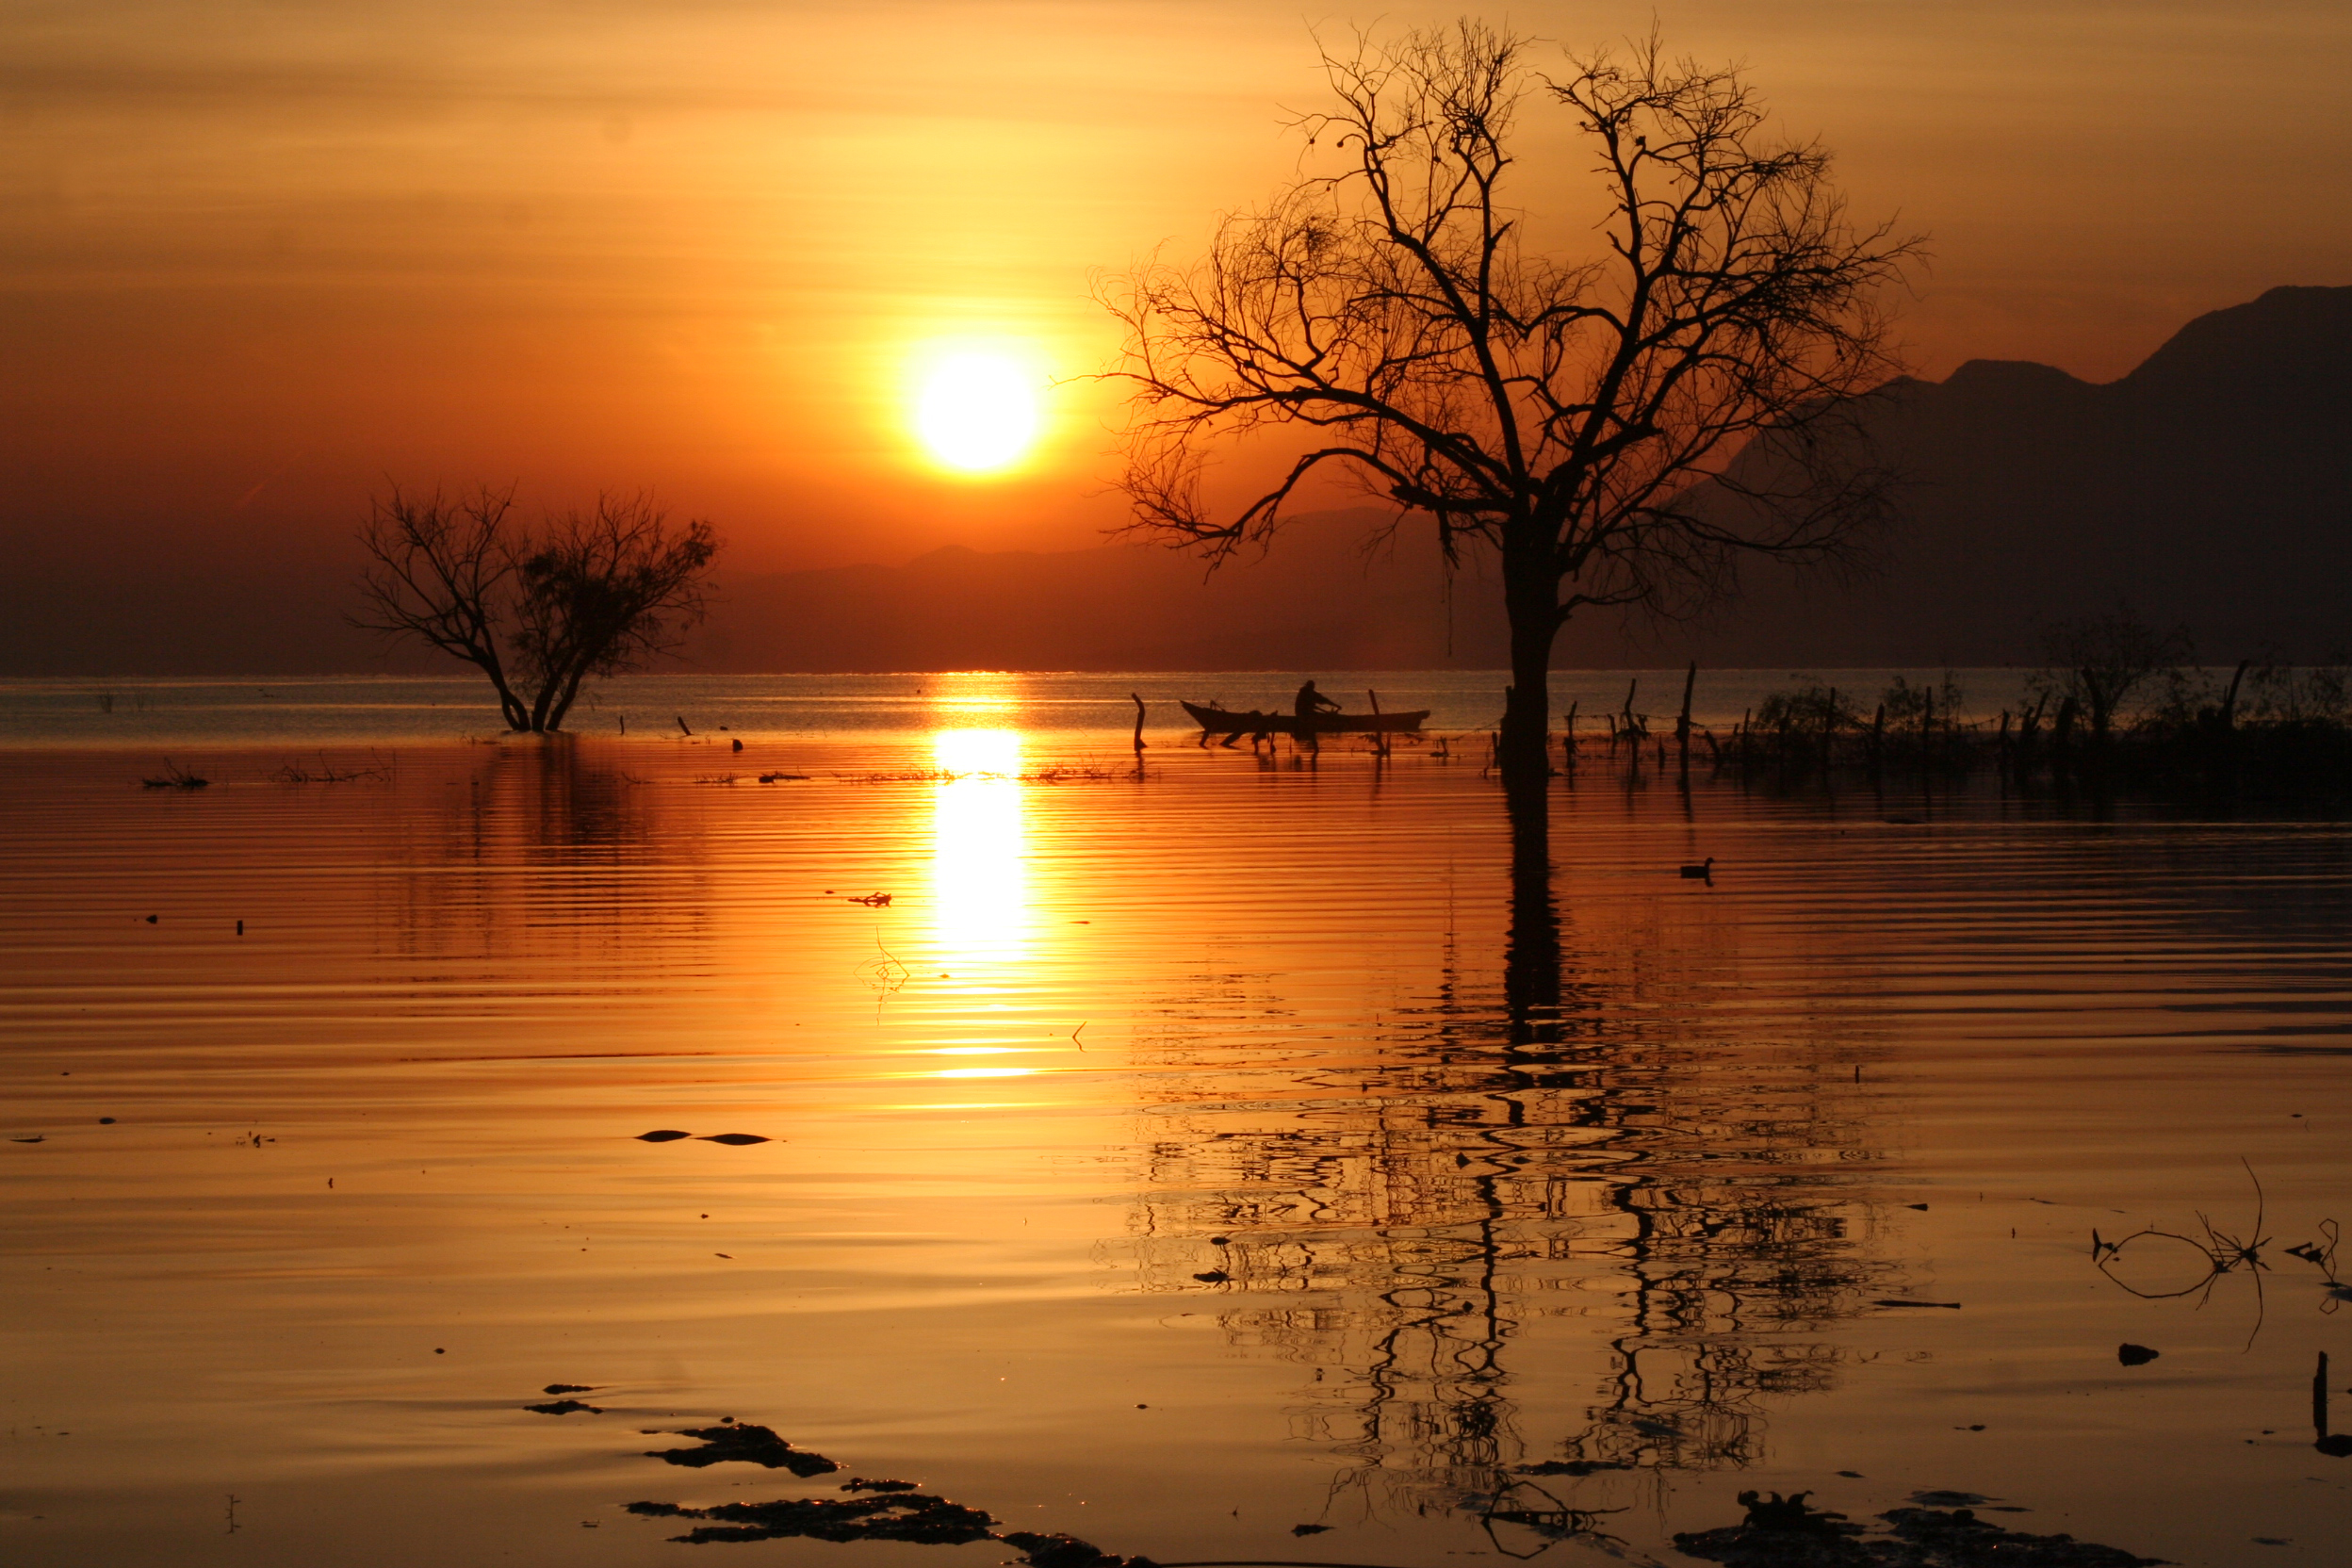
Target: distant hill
[[2210, 485]]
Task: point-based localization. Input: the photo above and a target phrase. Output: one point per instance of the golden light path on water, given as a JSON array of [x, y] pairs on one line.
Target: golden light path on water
[[979, 875]]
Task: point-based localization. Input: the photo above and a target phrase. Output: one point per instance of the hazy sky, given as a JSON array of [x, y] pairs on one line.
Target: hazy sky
[[260, 255]]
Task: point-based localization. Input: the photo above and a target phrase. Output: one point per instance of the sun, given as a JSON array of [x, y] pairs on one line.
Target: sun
[[977, 410]]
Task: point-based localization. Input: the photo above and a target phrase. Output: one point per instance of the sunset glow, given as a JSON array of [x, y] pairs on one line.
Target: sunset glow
[[977, 412], [1636, 712]]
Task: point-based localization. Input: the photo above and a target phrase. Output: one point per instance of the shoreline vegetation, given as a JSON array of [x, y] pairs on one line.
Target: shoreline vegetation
[[2270, 731], [2117, 705]]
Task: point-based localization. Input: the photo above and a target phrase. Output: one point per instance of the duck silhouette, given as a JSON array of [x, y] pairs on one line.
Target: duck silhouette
[[1702, 872]]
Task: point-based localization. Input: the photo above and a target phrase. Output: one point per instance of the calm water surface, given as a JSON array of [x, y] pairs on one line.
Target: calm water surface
[[1172, 1161]]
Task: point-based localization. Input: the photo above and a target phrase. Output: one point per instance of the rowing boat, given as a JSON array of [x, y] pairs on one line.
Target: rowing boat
[[1217, 721]]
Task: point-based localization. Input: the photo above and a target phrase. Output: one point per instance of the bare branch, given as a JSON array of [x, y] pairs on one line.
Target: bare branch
[[1623, 427], [538, 614]]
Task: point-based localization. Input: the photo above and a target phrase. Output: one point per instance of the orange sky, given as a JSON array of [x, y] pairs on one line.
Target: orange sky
[[259, 255]]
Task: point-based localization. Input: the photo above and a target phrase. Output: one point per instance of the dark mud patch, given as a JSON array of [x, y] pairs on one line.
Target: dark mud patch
[[1788, 1532], [916, 1517], [910, 1516], [563, 1407], [898, 1512], [1571, 1467], [1067, 1551], [740, 1442]]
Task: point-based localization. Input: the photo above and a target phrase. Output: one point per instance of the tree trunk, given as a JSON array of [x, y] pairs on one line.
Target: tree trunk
[[565, 698], [1531, 600], [510, 705]]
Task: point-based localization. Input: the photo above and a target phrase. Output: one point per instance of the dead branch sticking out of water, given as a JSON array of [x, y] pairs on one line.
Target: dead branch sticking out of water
[[884, 973], [2220, 1253], [174, 777], [1545, 1525], [327, 773]]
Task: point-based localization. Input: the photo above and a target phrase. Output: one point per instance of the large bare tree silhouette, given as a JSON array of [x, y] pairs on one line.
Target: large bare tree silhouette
[[1393, 323]]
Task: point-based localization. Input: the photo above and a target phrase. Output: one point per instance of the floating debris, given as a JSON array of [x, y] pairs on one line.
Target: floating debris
[[1788, 1532], [327, 773], [1949, 1306], [740, 1442], [1308, 1529], [1067, 1551], [859, 1483], [563, 1407], [2135, 1355], [1571, 1467], [912, 1516], [662, 1134], [175, 777], [569, 1388], [871, 900], [734, 1140]]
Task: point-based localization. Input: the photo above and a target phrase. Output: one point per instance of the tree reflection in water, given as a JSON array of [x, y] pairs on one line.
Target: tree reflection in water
[[1557, 1156]]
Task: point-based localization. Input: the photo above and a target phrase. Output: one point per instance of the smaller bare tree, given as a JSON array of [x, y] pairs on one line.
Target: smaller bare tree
[[539, 613]]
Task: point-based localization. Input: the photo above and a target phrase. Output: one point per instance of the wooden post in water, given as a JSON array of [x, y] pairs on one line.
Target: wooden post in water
[[1138, 702], [1379, 737], [1569, 744], [1629, 690], [2229, 703], [1682, 724]]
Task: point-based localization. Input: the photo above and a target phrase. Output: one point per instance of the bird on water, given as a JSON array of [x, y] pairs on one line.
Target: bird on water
[[1702, 872]]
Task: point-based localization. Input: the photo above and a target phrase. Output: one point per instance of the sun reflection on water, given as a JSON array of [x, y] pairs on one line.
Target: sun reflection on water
[[979, 873]]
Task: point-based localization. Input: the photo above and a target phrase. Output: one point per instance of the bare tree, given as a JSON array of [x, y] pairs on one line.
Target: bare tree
[[539, 613], [1563, 411], [2097, 661]]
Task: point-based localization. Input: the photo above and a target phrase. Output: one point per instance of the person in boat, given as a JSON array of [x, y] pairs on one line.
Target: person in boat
[[1309, 702]]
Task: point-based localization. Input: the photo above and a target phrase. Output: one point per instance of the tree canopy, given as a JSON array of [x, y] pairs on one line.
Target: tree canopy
[[539, 612], [1621, 425]]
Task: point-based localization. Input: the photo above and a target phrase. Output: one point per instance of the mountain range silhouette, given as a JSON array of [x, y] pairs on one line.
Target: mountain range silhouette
[[2211, 487]]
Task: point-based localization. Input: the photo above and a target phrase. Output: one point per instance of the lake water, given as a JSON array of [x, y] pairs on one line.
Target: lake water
[[1174, 1161]]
